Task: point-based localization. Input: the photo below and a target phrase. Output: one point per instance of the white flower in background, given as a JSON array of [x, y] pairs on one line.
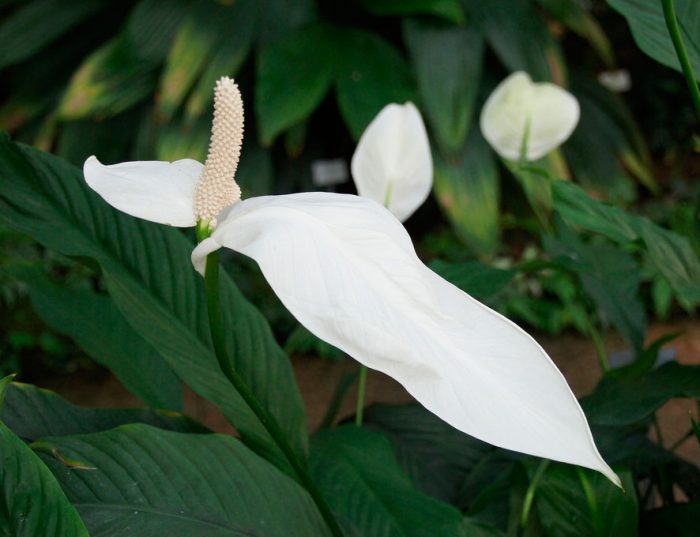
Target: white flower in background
[[522, 118], [617, 81], [345, 267], [392, 163]]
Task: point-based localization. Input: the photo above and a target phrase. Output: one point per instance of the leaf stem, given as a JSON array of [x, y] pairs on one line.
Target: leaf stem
[[530, 493], [681, 52], [361, 385], [211, 284]]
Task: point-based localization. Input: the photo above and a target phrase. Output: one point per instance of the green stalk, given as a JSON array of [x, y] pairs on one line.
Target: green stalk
[[530, 493], [211, 284], [361, 385], [681, 52]]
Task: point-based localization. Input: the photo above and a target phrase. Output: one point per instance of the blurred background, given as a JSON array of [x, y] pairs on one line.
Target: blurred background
[[132, 80]]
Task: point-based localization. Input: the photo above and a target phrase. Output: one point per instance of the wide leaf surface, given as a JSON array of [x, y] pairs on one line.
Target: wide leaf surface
[[138, 480], [33, 504], [347, 270], [33, 412], [151, 281]]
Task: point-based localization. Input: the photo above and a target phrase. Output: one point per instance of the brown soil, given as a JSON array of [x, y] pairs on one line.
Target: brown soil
[[318, 378]]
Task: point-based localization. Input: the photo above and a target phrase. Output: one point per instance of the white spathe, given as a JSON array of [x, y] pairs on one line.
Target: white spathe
[[347, 270], [392, 163], [158, 191], [522, 114]]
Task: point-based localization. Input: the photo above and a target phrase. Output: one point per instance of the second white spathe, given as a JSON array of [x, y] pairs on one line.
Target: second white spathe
[[392, 163], [526, 118]]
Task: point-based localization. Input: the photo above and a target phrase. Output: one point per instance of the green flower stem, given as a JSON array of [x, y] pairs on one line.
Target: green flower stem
[[530, 493], [211, 284], [681, 52], [361, 386]]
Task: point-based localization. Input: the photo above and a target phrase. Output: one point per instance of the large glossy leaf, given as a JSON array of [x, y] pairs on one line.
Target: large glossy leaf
[[33, 412], [628, 400], [294, 74], [98, 327], [371, 73], [572, 502], [366, 488], [671, 254], [646, 20], [36, 24], [468, 191], [609, 276], [150, 278], [436, 457], [450, 10], [33, 503], [139, 480], [520, 38], [447, 61]]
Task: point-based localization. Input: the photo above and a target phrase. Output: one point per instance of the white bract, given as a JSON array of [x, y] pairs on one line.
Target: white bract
[[526, 119], [392, 163], [345, 267]]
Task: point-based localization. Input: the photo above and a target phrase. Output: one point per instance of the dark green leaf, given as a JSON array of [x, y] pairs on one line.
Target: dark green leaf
[[138, 480], [151, 27], [32, 413], [447, 61], [359, 476], [205, 28], [520, 38], [371, 74], [646, 20], [628, 400], [607, 146], [680, 520], [572, 502], [277, 18], [609, 276], [450, 10], [468, 190], [100, 330], [294, 74], [149, 275], [479, 280], [436, 456], [227, 58], [671, 254], [37, 24], [574, 15], [33, 503]]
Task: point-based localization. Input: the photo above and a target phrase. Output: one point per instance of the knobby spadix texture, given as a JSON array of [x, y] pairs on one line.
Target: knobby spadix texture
[[523, 118], [392, 163], [346, 269], [216, 188]]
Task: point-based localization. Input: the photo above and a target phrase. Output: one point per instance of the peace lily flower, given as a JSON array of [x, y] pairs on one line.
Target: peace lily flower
[[345, 267], [522, 118], [392, 163]]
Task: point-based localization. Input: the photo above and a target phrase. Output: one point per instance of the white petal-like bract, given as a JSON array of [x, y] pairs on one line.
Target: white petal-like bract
[[347, 270], [392, 161], [158, 191], [520, 113]]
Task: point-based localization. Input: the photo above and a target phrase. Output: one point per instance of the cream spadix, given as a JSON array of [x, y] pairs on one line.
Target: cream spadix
[[346, 269], [528, 119], [392, 163]]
